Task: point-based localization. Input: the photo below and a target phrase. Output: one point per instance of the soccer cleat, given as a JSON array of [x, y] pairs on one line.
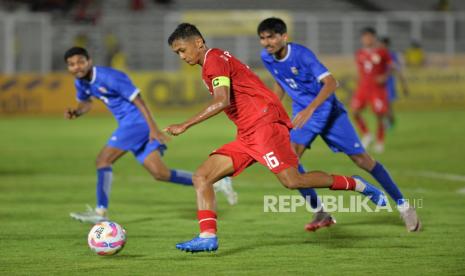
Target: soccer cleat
[[375, 194], [90, 216], [378, 147], [199, 244], [366, 140], [225, 186], [321, 219], [411, 220]]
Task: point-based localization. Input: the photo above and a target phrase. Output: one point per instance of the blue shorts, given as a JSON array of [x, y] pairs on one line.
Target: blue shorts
[[391, 89], [392, 95], [336, 130], [135, 138]]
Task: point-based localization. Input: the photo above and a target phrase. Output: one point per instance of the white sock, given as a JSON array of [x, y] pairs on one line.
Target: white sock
[[403, 207], [359, 185], [207, 235], [101, 211]]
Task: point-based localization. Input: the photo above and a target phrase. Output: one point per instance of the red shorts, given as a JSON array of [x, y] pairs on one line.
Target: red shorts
[[269, 145], [376, 97]]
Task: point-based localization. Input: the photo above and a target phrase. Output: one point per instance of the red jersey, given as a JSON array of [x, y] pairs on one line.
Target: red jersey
[[252, 104], [371, 63]]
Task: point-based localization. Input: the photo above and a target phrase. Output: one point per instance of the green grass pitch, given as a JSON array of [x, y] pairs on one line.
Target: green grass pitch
[[47, 170]]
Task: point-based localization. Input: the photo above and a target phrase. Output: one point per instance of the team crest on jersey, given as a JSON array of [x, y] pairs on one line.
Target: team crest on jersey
[[102, 89], [294, 70]]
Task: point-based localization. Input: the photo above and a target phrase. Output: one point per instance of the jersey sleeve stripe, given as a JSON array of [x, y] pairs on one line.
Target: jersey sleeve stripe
[[324, 75], [134, 94], [94, 75]]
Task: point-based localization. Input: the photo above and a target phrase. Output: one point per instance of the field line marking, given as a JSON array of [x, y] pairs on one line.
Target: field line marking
[[438, 175]]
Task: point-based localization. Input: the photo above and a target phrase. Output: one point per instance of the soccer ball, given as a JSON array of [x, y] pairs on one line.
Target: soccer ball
[[106, 238]]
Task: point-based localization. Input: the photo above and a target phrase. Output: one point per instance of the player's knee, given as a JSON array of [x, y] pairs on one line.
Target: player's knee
[[199, 180], [159, 176], [102, 162], [358, 161], [290, 182], [363, 161]]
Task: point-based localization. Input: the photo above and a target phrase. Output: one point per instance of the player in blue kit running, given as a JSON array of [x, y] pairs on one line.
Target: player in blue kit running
[[391, 84], [317, 112], [137, 131]]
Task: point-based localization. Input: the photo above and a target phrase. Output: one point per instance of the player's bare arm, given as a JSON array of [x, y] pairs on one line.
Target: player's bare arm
[[155, 133], [382, 79], [219, 102], [81, 109], [329, 86]]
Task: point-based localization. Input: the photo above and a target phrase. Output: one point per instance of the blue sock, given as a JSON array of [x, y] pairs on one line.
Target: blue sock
[[309, 193], [383, 177], [181, 177], [104, 179]]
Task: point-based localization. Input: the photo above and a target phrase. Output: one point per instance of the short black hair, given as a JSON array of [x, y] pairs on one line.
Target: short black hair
[[369, 30], [272, 24], [76, 51], [386, 41], [183, 31]]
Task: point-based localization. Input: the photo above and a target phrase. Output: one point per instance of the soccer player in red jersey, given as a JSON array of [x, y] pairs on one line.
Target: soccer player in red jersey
[[262, 133], [374, 69]]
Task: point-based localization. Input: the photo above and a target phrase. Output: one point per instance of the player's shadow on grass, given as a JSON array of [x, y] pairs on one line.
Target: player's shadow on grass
[[16, 172], [272, 240], [128, 256], [335, 237], [249, 246], [382, 219], [139, 220]]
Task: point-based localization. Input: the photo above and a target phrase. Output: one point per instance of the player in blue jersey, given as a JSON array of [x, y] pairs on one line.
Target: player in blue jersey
[[137, 131], [398, 73], [317, 112]]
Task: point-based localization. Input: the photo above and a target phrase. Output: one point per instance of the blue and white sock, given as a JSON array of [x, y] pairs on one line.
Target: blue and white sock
[[104, 179], [382, 176], [309, 194], [181, 177]]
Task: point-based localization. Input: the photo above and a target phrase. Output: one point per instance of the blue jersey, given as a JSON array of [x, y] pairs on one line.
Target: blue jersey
[[391, 81], [300, 74], [115, 90]]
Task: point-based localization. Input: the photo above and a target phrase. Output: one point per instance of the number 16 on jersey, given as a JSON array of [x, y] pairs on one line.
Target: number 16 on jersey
[[271, 160]]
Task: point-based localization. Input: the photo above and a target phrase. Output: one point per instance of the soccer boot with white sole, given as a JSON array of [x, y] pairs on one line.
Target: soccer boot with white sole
[[378, 147], [411, 220], [367, 139], [225, 186], [199, 244], [321, 219], [89, 216]]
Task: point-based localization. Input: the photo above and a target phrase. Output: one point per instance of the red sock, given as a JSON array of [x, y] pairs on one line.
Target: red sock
[[380, 133], [342, 183], [207, 221], [361, 124]]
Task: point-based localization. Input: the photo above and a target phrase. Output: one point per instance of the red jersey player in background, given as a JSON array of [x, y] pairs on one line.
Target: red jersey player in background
[[374, 69], [262, 133]]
